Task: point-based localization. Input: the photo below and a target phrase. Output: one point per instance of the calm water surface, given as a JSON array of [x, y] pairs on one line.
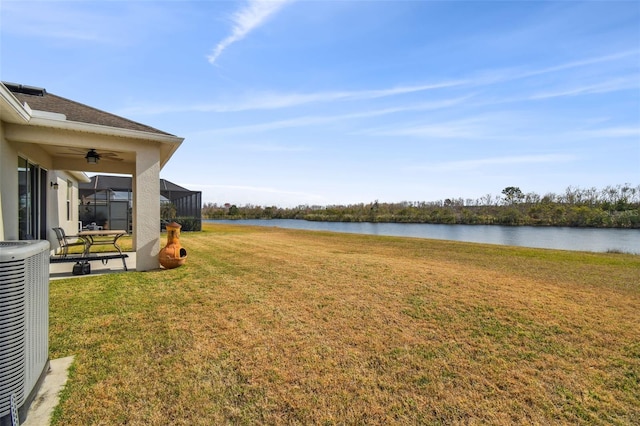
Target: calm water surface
[[577, 239]]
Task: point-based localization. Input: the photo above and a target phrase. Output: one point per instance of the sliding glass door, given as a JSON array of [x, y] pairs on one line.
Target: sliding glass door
[[32, 199]]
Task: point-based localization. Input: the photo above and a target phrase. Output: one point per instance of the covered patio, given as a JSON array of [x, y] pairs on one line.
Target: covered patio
[[55, 133]]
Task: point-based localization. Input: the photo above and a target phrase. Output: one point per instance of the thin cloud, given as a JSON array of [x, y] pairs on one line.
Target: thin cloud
[[476, 127], [276, 101], [495, 76], [271, 101], [54, 23], [248, 193], [610, 133], [240, 188], [582, 63], [273, 148], [325, 119], [456, 166], [604, 87], [372, 94], [262, 127], [452, 130], [245, 20]]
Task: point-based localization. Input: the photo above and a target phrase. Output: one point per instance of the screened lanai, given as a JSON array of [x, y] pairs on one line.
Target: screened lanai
[[106, 202]]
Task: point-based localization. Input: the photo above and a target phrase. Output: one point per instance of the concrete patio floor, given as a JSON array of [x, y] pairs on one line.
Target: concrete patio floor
[[48, 395], [64, 270]]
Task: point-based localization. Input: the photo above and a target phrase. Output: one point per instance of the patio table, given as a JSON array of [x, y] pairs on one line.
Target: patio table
[[98, 238]]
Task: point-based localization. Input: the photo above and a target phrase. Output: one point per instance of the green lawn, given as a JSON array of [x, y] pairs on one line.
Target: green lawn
[[273, 326]]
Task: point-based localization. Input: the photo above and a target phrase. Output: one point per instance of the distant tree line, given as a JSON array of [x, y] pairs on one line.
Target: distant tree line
[[611, 207]]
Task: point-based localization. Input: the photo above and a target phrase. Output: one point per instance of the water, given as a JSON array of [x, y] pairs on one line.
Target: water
[[562, 238]]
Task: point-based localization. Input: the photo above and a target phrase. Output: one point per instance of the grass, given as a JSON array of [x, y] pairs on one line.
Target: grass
[[273, 326]]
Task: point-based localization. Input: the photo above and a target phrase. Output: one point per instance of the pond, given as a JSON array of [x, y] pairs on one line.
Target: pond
[[562, 238]]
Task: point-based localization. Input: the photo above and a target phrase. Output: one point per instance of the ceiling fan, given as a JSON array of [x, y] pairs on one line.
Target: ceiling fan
[[93, 156]]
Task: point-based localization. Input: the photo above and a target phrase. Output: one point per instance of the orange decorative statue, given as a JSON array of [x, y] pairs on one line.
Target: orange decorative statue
[[173, 254]]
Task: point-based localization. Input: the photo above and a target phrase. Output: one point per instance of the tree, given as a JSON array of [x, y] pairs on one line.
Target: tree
[[512, 195], [167, 211]]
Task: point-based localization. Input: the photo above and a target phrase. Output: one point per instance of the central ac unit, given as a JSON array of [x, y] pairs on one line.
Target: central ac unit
[[24, 324]]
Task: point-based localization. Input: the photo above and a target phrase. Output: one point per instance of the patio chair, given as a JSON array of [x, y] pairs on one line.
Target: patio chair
[[67, 241]]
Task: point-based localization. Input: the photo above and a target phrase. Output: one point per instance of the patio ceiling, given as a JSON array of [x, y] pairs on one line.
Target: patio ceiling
[[66, 144]]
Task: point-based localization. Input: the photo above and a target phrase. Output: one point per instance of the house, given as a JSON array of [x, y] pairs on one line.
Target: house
[[46, 140], [106, 201]]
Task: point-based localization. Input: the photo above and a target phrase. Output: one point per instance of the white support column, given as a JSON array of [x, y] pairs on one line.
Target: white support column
[[146, 207], [8, 189]]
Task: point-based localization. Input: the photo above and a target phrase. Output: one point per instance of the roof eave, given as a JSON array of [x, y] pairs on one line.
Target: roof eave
[[12, 111], [169, 143], [104, 130], [172, 148]]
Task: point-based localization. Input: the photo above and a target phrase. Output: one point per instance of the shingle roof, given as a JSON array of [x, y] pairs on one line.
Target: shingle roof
[[101, 182], [41, 100], [165, 185]]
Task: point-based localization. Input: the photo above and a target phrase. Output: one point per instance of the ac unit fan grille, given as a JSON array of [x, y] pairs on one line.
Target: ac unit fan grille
[[24, 323], [12, 333]]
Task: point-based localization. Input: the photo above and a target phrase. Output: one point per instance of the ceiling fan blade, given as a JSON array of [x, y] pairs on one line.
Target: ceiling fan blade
[[112, 155], [110, 158]]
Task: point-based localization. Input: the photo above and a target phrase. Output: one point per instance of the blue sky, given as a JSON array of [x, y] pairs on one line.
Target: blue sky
[[339, 102]]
